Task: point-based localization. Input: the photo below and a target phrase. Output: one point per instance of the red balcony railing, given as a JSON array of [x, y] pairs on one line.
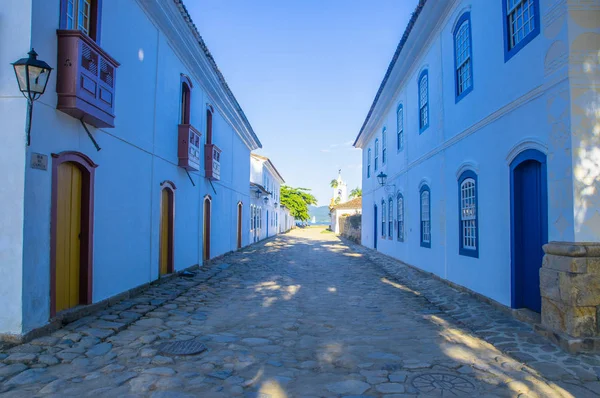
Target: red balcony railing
[[212, 162], [189, 147], [86, 79]]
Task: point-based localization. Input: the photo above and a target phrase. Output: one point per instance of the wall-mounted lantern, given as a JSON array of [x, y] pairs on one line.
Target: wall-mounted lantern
[[266, 199], [382, 178], [257, 192], [32, 75]]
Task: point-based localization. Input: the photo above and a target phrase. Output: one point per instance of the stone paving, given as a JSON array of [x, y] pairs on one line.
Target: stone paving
[[300, 315]]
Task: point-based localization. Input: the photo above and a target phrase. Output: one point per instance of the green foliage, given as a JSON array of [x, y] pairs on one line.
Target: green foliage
[[356, 193], [297, 200], [333, 184]]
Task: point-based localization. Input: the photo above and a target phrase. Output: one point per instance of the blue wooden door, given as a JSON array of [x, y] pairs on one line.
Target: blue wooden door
[[529, 229], [375, 227], [267, 223]]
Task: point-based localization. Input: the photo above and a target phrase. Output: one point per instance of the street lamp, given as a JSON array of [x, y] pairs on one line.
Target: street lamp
[[382, 178], [32, 75]]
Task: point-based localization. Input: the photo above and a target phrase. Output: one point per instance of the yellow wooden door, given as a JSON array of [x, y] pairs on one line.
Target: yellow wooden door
[[164, 232], [68, 230]]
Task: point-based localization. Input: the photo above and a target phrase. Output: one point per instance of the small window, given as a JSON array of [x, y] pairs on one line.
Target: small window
[[376, 154], [383, 221], [186, 96], [209, 125], [469, 233], [390, 218], [369, 163], [81, 15], [425, 217], [463, 56], [400, 128], [400, 211], [521, 24], [423, 101], [383, 146]]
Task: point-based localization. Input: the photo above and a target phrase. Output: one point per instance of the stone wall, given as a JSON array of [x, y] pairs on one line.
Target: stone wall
[[570, 289], [350, 227]]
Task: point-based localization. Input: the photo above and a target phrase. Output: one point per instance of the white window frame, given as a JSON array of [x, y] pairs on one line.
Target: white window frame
[[426, 217], [400, 127], [462, 43], [77, 17], [400, 212], [518, 10], [468, 213]]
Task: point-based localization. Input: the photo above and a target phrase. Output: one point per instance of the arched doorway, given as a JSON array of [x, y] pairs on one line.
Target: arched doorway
[[206, 229], [529, 226], [239, 225], [71, 237], [375, 227], [167, 227]]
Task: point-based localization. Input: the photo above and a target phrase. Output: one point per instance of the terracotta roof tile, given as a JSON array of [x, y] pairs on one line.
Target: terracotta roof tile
[[355, 203]]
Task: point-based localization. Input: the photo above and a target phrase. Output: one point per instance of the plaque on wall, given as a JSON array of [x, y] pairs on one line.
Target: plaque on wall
[[39, 161]]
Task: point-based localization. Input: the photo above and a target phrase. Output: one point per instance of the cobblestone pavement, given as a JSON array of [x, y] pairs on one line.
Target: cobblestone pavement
[[301, 315]]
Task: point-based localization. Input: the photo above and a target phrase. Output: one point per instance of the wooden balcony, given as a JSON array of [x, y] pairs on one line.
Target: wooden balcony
[[188, 150], [212, 162], [86, 79]]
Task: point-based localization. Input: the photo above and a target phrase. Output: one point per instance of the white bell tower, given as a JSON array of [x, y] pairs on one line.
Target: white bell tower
[[341, 191]]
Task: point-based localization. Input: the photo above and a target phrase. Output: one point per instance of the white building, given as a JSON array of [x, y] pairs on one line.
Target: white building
[[339, 191], [486, 127], [268, 216], [353, 206], [168, 190]]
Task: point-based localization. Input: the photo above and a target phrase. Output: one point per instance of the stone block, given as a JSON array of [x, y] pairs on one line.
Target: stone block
[[553, 314], [549, 287], [565, 264], [593, 265], [581, 321], [580, 290]]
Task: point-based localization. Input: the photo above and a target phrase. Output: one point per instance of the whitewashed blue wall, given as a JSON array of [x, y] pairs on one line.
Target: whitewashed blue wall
[[136, 156], [509, 107]]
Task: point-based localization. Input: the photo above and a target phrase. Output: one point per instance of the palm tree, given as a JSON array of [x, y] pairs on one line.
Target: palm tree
[[356, 193], [333, 183]]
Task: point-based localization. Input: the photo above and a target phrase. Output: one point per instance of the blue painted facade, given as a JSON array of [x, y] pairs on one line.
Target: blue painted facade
[[525, 100], [137, 156]]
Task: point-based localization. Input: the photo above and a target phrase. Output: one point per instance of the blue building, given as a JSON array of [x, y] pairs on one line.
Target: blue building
[[482, 144], [168, 189]]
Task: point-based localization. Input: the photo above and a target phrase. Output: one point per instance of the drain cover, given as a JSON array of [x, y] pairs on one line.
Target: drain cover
[[443, 384], [188, 347]]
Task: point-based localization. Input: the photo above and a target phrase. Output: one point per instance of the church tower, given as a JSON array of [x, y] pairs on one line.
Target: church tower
[[340, 191]]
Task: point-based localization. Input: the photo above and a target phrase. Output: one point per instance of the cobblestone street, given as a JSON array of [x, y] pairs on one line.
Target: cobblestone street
[[301, 315]]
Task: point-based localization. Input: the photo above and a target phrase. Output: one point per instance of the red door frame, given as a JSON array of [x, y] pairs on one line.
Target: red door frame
[[88, 169]]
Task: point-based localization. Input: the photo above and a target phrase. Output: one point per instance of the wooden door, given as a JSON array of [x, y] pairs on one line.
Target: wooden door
[[206, 230], [375, 227], [68, 233], [239, 226], [529, 204], [166, 232]]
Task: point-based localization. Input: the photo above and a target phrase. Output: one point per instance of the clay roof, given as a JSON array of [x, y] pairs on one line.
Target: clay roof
[[409, 27], [355, 203]]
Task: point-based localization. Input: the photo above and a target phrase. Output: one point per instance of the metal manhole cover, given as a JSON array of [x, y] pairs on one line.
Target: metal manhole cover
[[443, 384], [188, 347]]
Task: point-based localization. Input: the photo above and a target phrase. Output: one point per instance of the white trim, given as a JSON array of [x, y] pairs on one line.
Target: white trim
[[526, 143], [167, 19], [424, 181], [467, 165], [457, 15], [501, 112]]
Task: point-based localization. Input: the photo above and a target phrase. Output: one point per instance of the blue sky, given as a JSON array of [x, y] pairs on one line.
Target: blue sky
[[305, 72]]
